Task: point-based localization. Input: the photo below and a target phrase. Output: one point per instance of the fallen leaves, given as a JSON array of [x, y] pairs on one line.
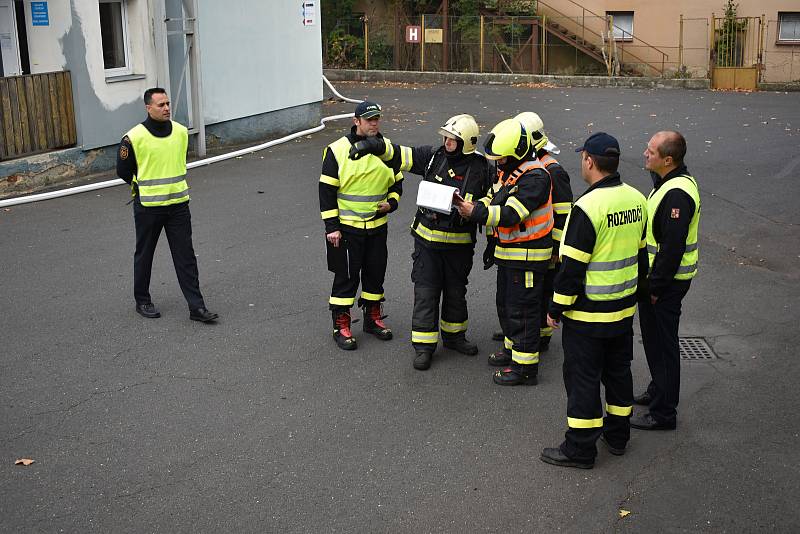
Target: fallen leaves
[[624, 513], [24, 461]]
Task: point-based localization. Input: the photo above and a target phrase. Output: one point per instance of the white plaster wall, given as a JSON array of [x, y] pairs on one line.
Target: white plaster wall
[[257, 57]]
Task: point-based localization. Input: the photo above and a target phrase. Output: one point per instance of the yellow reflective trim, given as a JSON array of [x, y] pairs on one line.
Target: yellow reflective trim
[[371, 296], [523, 254], [443, 237], [356, 223], [507, 343], [622, 411], [424, 337], [564, 300], [406, 158], [562, 208], [394, 195], [525, 358], [339, 301], [330, 213], [521, 210], [528, 278], [453, 328], [545, 332], [494, 216], [574, 422], [468, 197], [575, 254], [389, 152], [557, 234], [600, 317], [485, 201], [330, 180]]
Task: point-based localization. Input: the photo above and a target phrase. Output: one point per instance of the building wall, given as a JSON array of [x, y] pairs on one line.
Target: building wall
[[256, 57], [658, 23]]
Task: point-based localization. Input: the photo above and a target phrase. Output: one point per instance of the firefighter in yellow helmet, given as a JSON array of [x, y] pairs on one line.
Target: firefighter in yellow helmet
[[444, 243], [521, 213]]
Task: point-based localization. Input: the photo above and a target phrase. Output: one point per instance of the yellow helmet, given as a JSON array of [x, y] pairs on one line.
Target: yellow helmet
[[508, 139], [534, 124], [462, 127]]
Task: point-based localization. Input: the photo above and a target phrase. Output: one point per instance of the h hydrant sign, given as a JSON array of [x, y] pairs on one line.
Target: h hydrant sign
[[413, 34]]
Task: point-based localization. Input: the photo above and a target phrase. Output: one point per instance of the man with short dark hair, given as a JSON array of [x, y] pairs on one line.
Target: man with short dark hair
[[152, 158], [355, 197], [674, 218], [603, 255]]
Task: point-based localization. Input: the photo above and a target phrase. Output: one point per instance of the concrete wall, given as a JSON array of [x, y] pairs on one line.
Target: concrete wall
[[257, 57]]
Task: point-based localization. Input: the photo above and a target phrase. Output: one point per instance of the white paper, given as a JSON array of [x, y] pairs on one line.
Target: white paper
[[436, 197]]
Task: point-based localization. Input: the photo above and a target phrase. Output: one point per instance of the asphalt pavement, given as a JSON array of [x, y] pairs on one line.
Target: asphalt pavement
[[260, 424]]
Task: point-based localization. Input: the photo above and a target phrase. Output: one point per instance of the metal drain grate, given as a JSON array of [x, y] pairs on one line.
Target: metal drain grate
[[695, 349]]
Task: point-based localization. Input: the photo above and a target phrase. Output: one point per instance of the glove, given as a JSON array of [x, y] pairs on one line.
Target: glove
[[488, 253], [370, 145]]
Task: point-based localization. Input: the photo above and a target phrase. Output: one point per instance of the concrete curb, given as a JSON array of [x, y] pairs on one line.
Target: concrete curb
[[784, 87], [487, 78]]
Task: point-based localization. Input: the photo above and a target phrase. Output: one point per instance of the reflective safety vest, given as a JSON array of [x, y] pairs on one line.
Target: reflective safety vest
[[516, 242], [559, 208], [618, 215], [363, 183], [160, 165], [688, 267]]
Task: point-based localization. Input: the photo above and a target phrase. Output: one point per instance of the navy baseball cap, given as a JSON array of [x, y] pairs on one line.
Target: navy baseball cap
[[367, 110], [601, 144]]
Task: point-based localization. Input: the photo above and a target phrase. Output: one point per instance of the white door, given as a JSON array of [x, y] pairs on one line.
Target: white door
[[9, 40]]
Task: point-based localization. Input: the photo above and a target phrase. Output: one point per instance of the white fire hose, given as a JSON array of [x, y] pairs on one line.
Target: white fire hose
[[207, 161]]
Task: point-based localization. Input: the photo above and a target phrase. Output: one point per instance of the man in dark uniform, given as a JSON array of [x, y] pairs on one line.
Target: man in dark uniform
[[355, 197], [604, 256], [674, 218], [443, 243], [521, 213], [152, 158]]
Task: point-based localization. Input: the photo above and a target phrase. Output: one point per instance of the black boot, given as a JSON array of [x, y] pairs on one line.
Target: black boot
[[422, 360], [341, 330], [501, 358], [461, 344], [517, 375], [498, 336], [373, 322]]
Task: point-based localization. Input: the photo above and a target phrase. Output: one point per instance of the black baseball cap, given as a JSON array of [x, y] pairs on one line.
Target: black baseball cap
[[601, 144], [367, 110]]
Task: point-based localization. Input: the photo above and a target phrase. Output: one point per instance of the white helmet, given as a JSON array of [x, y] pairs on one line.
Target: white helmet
[[534, 124], [462, 127]]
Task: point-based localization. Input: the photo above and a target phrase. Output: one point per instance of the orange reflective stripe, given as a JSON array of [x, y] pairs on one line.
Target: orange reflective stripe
[[548, 160], [537, 225], [524, 167]]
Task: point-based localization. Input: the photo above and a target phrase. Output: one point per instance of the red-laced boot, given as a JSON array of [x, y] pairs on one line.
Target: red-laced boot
[[341, 331], [373, 322]]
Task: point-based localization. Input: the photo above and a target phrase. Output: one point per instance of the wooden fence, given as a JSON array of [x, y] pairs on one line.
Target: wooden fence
[[36, 114]]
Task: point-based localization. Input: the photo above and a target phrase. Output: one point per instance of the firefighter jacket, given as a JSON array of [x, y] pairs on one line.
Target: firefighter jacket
[[160, 165], [562, 195], [521, 213], [469, 173], [673, 221], [603, 257], [350, 190]]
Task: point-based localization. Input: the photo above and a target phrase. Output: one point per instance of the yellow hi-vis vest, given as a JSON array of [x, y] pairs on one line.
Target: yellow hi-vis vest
[[161, 165], [688, 267], [618, 215], [363, 184]]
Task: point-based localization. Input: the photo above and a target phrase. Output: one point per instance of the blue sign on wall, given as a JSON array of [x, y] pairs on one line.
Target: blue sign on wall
[[39, 15]]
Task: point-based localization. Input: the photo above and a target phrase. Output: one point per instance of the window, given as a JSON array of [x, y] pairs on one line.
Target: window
[[623, 25], [789, 27], [113, 30]]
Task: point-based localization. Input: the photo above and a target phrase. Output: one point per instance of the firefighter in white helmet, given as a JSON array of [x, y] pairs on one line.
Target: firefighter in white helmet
[[443, 243]]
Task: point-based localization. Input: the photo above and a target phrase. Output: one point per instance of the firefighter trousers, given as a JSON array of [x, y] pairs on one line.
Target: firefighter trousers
[[439, 274], [545, 332], [361, 258], [588, 362], [519, 297]]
